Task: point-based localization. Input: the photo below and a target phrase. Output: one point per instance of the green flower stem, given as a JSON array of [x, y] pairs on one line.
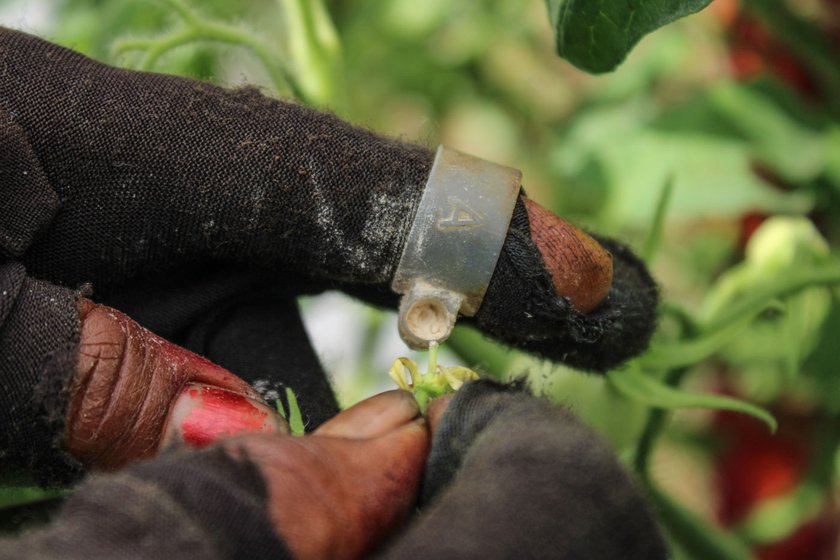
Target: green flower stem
[[429, 385], [687, 352], [762, 296], [433, 358], [478, 352], [423, 396], [714, 334]]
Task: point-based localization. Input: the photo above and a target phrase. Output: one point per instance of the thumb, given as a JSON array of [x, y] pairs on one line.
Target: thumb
[[131, 386], [340, 492]]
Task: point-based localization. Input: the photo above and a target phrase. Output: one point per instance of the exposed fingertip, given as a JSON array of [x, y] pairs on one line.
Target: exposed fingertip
[[373, 417], [581, 269]]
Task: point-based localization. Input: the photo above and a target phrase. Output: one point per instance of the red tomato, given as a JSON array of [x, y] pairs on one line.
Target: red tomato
[[755, 465]]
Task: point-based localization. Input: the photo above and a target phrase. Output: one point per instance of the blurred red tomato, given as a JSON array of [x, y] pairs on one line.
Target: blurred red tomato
[[754, 464]]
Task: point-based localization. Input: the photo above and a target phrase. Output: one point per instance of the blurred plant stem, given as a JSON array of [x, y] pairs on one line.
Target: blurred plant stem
[[714, 333], [312, 71], [654, 238], [696, 537], [481, 354], [197, 28], [314, 50], [653, 427]]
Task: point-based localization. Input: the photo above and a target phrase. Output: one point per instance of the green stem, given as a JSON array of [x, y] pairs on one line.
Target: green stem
[[762, 296], [161, 46], [684, 318], [433, 358], [686, 352], [315, 49], [653, 427], [480, 353], [714, 334], [201, 29], [183, 12], [422, 397], [696, 537], [11, 496], [280, 76], [654, 238]]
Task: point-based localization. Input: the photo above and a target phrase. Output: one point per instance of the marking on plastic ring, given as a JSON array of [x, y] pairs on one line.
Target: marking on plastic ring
[[460, 217]]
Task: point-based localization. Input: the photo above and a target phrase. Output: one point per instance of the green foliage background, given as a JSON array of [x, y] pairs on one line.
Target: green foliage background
[[661, 153]]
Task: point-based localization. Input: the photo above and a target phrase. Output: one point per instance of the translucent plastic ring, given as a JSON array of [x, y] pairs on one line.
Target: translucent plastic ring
[[453, 245]]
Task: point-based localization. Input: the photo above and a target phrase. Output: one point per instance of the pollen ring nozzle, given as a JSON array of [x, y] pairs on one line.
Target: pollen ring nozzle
[[453, 245]]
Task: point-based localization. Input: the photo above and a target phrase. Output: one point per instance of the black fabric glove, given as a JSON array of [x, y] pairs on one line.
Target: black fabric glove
[[203, 211], [514, 476], [195, 505], [157, 172], [39, 336], [509, 476]]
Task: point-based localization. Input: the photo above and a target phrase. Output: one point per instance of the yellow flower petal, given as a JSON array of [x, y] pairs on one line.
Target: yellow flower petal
[[457, 375], [398, 373]]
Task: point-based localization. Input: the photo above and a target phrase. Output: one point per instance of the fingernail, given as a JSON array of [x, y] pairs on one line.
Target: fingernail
[[373, 417], [203, 414]]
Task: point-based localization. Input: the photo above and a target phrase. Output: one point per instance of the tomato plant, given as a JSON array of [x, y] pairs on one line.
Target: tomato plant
[[711, 143]]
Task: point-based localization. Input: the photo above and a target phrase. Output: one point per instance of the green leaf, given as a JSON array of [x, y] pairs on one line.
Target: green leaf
[[712, 176], [636, 385], [596, 36], [698, 538], [295, 418], [618, 419], [658, 226], [771, 132]]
